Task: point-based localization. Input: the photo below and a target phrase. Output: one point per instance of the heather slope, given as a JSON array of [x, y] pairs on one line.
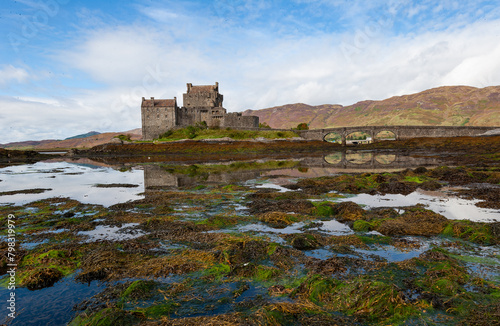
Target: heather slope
[[446, 106]]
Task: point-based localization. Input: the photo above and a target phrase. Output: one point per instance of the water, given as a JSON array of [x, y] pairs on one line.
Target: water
[[113, 233], [49, 306], [448, 205], [70, 180], [328, 227]]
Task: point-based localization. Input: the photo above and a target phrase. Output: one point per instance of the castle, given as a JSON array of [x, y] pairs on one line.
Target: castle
[[201, 104]]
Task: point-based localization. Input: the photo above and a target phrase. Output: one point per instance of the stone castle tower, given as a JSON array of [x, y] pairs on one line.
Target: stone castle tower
[[201, 103]]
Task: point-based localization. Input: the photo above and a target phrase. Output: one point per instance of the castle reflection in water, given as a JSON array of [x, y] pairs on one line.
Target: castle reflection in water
[[158, 176]]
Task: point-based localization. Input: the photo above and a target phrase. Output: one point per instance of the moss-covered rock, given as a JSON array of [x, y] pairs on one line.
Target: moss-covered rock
[[304, 241]]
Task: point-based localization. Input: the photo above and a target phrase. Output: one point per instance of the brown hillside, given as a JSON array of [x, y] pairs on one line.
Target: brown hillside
[[86, 142], [90, 141], [446, 106]]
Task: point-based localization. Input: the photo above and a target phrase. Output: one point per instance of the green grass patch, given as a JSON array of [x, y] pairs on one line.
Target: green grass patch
[[197, 133]]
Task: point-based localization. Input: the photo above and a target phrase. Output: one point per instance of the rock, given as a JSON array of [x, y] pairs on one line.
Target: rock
[[304, 242]]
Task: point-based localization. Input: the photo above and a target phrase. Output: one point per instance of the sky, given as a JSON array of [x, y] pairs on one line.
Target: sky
[[71, 66]]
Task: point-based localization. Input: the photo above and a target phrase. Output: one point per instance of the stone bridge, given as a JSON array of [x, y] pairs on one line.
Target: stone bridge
[[400, 132]]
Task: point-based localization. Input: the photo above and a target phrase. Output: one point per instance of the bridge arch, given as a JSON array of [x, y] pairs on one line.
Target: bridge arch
[[358, 136], [333, 137], [385, 159], [359, 158], [385, 134], [334, 158]]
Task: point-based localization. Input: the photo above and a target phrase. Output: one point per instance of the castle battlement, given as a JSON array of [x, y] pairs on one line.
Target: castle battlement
[[201, 104]]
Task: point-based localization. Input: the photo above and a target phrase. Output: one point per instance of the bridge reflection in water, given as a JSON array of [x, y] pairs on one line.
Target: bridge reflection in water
[[371, 160]]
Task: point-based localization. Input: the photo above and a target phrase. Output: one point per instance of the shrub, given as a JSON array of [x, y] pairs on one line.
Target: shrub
[[191, 132], [264, 125], [166, 134], [303, 126], [123, 137]]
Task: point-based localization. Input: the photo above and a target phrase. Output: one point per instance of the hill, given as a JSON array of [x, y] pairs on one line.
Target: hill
[[445, 106], [86, 142], [88, 134]]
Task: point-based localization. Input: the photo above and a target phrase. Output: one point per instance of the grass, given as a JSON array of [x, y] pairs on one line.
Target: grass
[[198, 133]]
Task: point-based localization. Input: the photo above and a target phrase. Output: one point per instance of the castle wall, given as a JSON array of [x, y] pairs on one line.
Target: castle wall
[[236, 120], [191, 116], [185, 117], [195, 100]]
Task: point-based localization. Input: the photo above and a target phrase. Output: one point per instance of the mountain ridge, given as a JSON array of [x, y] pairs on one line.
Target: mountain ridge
[[445, 105]]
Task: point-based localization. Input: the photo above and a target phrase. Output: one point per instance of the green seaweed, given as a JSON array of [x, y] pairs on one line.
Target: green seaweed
[[106, 317]]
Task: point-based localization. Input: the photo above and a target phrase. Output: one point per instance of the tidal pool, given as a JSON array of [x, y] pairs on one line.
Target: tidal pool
[[112, 233], [446, 204], [328, 227]]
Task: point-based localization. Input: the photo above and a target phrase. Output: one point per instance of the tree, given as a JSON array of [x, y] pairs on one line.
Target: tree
[[303, 126]]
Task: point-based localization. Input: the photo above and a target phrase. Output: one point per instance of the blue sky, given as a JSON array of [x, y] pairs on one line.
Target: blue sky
[[71, 66]]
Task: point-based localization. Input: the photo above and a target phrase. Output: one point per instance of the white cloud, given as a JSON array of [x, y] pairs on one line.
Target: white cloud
[[10, 73], [478, 70]]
